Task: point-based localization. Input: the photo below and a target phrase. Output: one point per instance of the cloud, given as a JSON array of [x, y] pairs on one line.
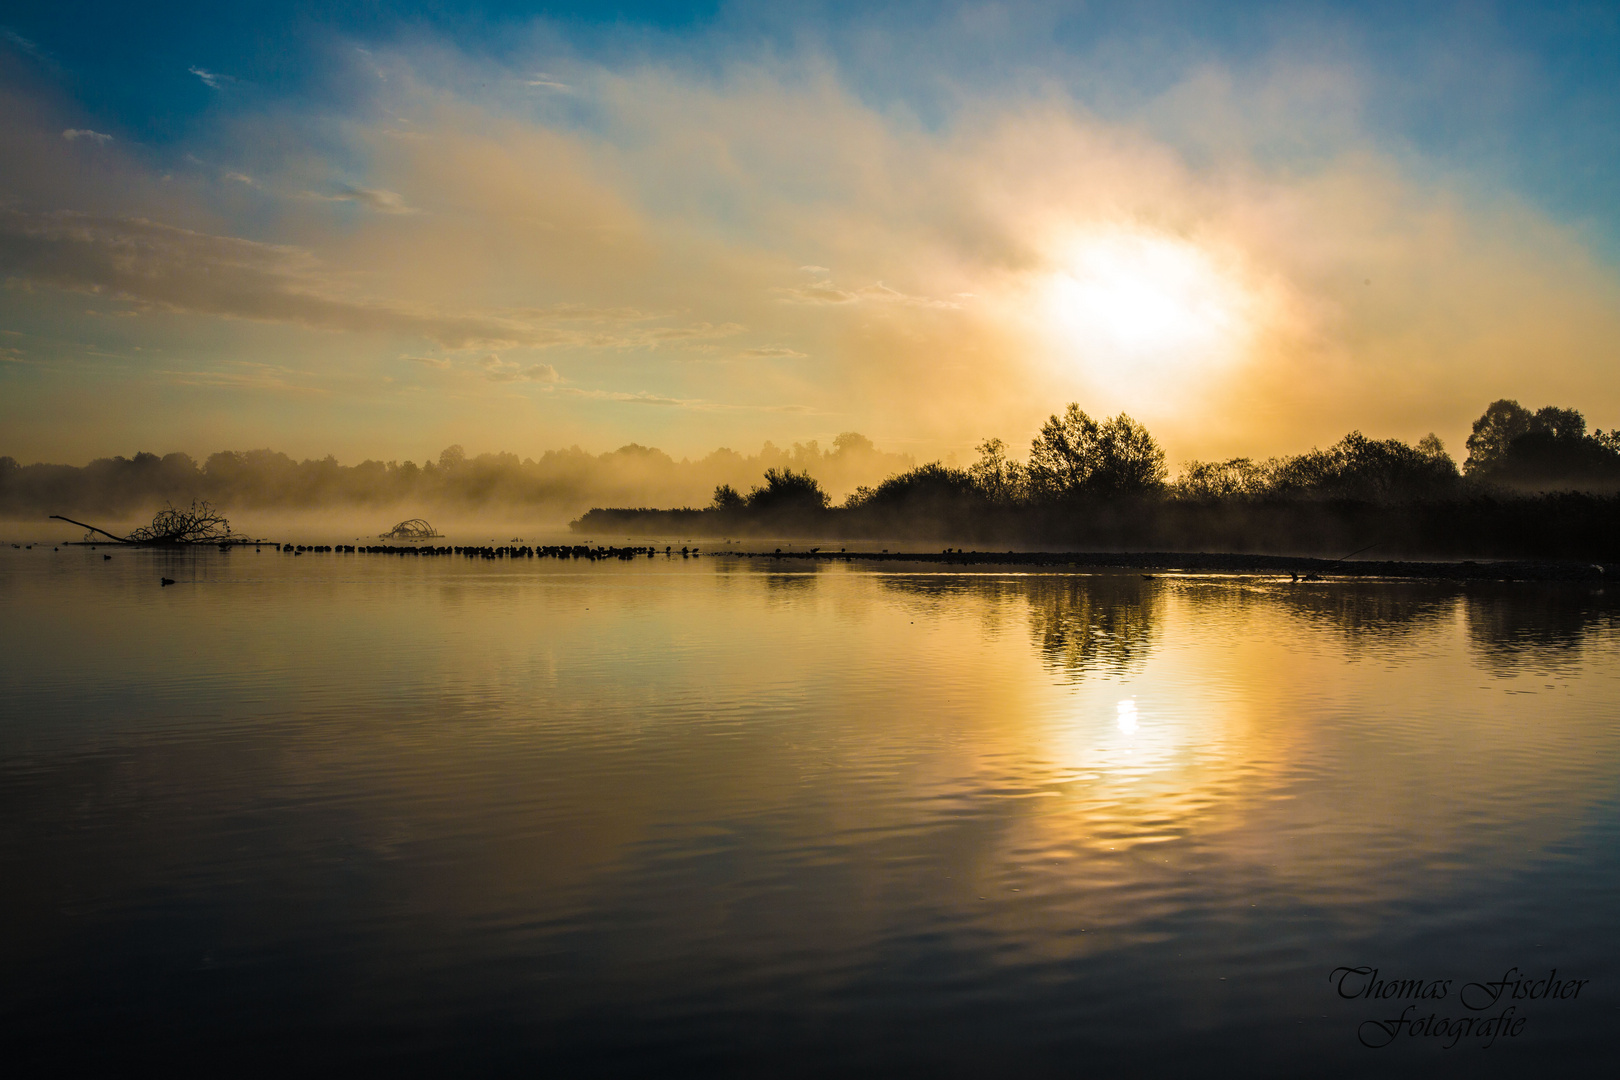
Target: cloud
[[17, 40], [772, 352], [163, 267], [244, 375], [695, 332], [824, 292], [211, 79], [74, 134], [689, 213], [240, 178], [384, 202], [641, 398], [498, 370], [542, 79]]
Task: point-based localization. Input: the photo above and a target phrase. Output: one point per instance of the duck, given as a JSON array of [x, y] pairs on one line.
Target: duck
[[162, 581]]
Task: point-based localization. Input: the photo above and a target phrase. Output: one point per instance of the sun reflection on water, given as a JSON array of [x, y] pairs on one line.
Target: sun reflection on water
[[1127, 716]]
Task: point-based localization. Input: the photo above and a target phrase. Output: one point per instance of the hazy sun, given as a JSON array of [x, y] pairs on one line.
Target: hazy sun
[[1128, 305]]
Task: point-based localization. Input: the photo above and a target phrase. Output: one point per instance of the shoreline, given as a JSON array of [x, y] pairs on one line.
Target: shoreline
[[1224, 562]]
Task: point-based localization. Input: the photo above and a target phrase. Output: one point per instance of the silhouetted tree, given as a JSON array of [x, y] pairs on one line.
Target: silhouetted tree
[[1235, 478], [1547, 448], [1129, 461], [1063, 456], [727, 497], [853, 442], [787, 490], [929, 489], [1073, 454], [1502, 422], [997, 477]]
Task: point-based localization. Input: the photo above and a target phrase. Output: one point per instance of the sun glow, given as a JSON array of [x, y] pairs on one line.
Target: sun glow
[[1129, 305]]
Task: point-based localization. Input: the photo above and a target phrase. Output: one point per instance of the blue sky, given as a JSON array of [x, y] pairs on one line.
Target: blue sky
[[727, 147], [1527, 95]]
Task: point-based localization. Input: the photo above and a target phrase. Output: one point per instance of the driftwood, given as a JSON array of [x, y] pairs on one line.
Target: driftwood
[[198, 523], [414, 529]]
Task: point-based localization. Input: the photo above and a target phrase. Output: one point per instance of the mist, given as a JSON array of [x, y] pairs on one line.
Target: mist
[[478, 493]]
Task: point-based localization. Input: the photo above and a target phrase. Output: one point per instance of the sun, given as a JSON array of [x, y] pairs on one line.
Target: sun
[[1130, 305]]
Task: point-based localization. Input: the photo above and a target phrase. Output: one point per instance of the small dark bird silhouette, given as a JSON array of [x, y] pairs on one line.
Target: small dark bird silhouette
[[162, 581], [106, 556]]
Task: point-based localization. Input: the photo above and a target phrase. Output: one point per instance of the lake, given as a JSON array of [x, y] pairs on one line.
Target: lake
[[732, 816]]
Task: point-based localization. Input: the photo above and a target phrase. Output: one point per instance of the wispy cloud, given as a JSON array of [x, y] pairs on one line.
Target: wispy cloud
[[772, 352], [240, 178], [161, 267], [498, 370], [75, 134], [702, 331], [546, 81], [20, 42], [825, 292], [641, 398], [384, 202], [244, 375], [211, 79]]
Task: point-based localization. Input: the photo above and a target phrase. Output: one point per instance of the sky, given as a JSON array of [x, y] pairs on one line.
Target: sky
[[374, 233]]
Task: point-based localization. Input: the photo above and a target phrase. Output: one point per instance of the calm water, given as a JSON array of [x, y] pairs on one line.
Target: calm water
[[718, 816]]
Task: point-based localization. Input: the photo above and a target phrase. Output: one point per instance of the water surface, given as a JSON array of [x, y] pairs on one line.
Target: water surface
[[724, 815]]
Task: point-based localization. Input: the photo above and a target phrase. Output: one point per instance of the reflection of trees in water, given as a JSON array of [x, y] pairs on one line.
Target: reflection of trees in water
[[1082, 625], [1370, 612], [1534, 626], [776, 573], [787, 580], [991, 601], [1093, 625], [800, 581]]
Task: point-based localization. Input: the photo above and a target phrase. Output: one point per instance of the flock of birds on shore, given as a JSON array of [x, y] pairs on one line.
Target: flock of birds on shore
[[505, 551]]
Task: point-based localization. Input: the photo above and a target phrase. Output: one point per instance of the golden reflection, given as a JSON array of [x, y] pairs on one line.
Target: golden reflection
[[1544, 628], [1101, 625], [1376, 613], [1127, 716], [1039, 754]]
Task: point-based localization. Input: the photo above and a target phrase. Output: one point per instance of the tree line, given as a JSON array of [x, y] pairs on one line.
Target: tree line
[[1534, 483], [1076, 458]]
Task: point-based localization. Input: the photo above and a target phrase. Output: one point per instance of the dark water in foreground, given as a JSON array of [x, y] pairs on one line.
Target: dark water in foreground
[[446, 816]]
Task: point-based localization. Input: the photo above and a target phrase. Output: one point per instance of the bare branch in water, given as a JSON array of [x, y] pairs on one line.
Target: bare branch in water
[[198, 523]]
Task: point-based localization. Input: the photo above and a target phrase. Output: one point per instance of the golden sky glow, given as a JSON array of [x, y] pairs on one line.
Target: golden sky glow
[[554, 251], [1135, 310]]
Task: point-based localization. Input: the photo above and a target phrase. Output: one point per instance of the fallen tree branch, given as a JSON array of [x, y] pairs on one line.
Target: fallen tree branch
[[198, 523], [92, 528]]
